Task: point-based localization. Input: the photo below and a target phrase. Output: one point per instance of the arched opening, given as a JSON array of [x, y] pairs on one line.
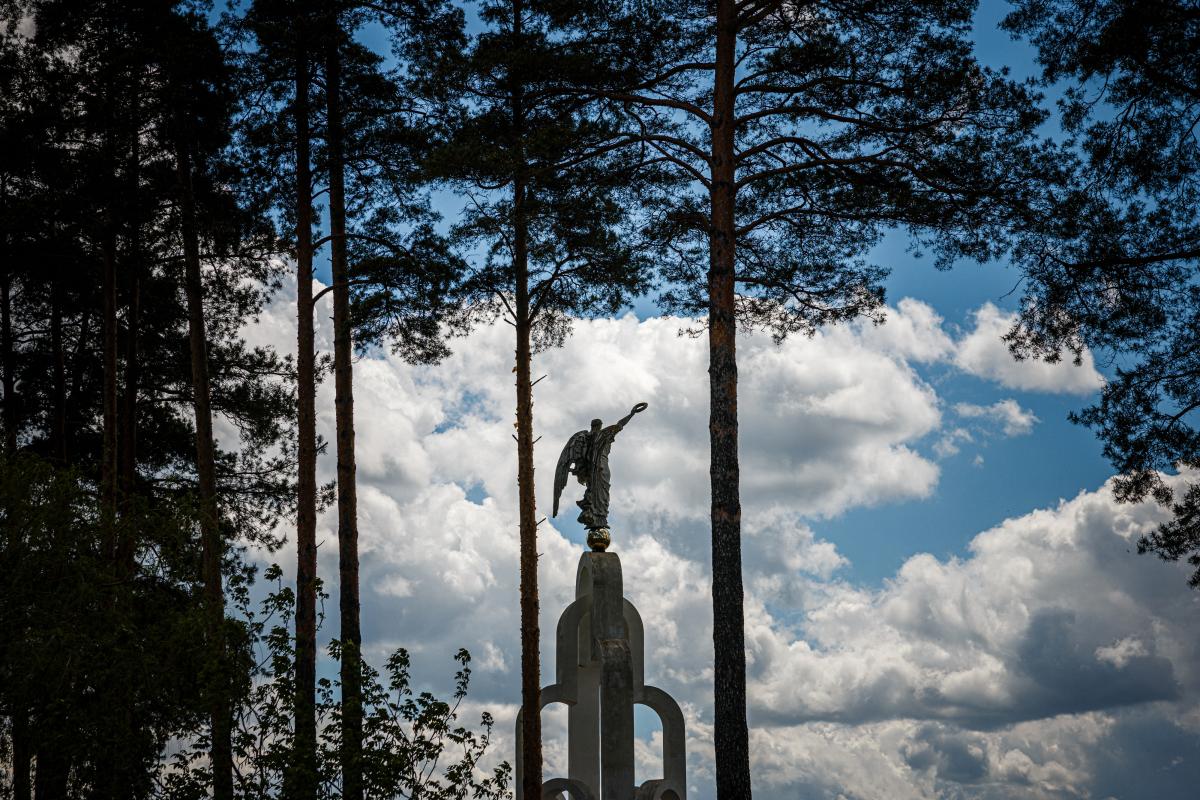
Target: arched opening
[[554, 740], [647, 745]]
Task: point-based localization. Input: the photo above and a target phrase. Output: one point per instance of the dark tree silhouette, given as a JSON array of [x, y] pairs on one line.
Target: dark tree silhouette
[[350, 637], [548, 183], [279, 64], [1112, 252], [106, 102], [807, 131]]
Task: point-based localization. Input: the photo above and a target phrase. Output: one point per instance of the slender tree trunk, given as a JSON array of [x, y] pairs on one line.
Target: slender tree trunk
[[108, 466], [9, 363], [51, 774], [79, 362], [127, 418], [304, 768], [58, 427], [8, 381], [343, 370], [730, 730], [22, 756], [531, 680], [123, 771], [211, 545], [530, 634]]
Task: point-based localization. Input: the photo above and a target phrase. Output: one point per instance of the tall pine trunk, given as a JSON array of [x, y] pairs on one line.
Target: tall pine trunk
[[58, 427], [108, 464], [530, 634], [220, 712], [8, 379], [730, 730], [531, 732], [79, 362], [303, 782], [22, 756], [52, 770], [9, 363], [343, 371], [127, 415], [127, 420]]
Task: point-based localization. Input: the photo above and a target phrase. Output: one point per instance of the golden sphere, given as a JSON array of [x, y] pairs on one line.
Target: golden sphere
[[599, 539]]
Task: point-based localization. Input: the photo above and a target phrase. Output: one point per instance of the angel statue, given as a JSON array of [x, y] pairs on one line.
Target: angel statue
[[586, 457]]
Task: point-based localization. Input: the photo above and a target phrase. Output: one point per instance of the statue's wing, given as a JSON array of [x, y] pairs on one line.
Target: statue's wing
[[573, 453]]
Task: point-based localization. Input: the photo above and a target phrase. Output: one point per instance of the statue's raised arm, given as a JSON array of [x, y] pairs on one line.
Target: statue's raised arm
[[640, 407], [586, 457]]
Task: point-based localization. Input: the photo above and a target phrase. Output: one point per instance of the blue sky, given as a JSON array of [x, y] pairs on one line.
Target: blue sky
[[1058, 460], [942, 595]]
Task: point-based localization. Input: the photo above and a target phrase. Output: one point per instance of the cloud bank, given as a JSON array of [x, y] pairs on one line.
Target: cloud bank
[[1047, 662]]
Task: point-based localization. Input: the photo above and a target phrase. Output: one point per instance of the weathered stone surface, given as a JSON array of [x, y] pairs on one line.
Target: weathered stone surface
[[599, 676]]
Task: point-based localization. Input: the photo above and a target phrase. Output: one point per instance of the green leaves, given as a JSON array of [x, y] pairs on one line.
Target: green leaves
[[1111, 251], [413, 743]]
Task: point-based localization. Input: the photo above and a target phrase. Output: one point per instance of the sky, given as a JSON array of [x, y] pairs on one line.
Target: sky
[[943, 599]]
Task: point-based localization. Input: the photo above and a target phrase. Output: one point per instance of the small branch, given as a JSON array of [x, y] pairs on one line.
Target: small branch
[[659, 102], [332, 286]]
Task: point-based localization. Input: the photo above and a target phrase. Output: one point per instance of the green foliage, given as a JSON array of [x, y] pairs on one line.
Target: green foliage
[[849, 119], [98, 666], [107, 652], [514, 137], [413, 745], [402, 271], [1111, 249]]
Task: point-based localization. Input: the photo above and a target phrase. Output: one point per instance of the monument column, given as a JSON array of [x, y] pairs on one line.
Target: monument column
[[600, 655]]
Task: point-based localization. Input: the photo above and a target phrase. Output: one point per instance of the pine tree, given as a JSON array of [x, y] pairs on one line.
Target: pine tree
[[103, 673], [350, 638], [549, 186], [279, 64], [806, 132], [1111, 251]]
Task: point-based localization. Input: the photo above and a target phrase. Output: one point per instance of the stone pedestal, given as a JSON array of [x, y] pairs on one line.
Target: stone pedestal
[[599, 675]]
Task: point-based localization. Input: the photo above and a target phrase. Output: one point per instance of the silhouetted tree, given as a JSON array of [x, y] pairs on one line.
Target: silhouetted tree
[[807, 131], [102, 671], [548, 184], [279, 65], [1112, 253], [350, 636]]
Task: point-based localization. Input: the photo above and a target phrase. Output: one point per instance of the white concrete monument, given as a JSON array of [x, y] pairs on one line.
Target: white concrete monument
[[599, 676]]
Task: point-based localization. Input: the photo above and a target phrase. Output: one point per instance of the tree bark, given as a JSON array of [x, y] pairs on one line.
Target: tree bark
[[303, 783], [79, 361], [51, 773], [58, 427], [9, 363], [22, 756], [531, 732], [730, 729], [127, 420], [343, 370], [530, 632], [220, 712], [108, 464]]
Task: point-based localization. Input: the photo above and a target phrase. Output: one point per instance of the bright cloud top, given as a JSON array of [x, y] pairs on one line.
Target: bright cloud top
[[1013, 419], [982, 352]]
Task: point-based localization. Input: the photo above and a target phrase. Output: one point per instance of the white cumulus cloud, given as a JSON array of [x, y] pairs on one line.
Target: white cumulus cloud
[[1013, 419], [982, 352]]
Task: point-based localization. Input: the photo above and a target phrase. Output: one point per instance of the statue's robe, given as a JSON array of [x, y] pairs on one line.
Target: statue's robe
[[594, 504]]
